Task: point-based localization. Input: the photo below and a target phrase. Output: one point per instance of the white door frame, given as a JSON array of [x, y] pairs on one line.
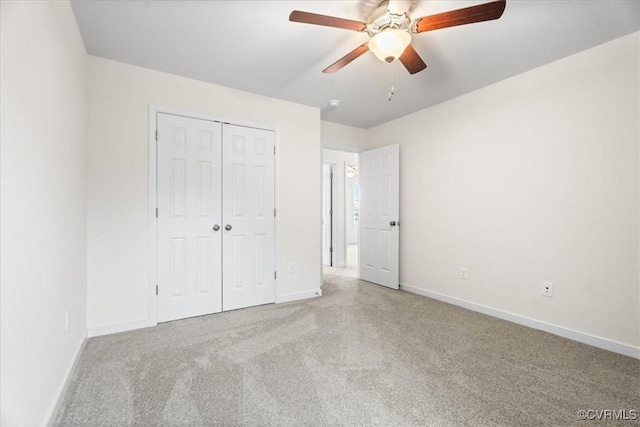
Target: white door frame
[[332, 230], [339, 171], [153, 195]]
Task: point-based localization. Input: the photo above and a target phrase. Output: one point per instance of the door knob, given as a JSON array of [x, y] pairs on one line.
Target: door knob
[[227, 227], [392, 223], [216, 227]]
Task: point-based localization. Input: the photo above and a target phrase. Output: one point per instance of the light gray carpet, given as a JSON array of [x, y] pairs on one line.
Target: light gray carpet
[[360, 355]]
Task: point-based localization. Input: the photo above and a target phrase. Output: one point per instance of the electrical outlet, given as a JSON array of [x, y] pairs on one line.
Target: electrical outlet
[[67, 321], [547, 289], [463, 273]]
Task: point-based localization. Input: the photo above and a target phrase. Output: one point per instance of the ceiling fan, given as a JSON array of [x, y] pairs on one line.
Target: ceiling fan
[[390, 29]]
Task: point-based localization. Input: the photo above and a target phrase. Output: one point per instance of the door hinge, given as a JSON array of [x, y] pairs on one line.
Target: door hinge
[[156, 212], [156, 289], [275, 275], [156, 134], [330, 249], [274, 212], [331, 175], [331, 212], [274, 149]]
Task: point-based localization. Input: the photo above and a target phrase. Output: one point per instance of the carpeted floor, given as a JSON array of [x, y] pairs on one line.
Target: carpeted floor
[[360, 355]]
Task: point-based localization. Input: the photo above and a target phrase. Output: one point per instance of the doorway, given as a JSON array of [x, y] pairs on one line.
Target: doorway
[[341, 213]]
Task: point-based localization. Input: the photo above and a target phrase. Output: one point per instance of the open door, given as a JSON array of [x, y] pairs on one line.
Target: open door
[[380, 216]]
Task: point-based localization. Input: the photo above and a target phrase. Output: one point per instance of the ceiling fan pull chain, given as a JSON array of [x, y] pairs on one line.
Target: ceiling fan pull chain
[[391, 89]]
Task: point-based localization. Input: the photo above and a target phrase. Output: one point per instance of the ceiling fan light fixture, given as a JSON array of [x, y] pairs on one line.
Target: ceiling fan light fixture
[[389, 44]]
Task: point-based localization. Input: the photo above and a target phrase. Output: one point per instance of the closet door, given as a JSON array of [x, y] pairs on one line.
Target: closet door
[[248, 217], [189, 193]]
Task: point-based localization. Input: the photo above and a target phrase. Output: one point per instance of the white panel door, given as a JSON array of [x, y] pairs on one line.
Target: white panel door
[[380, 215], [189, 193], [327, 218], [248, 217]]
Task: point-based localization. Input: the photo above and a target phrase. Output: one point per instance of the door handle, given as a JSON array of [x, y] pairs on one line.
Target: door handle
[[216, 227], [392, 223], [227, 227]]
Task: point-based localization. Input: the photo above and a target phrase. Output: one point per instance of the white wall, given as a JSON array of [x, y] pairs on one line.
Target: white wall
[[339, 159], [531, 179], [344, 138], [43, 188], [118, 188]]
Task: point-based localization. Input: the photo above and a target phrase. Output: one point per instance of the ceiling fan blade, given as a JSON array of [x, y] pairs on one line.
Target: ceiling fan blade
[[327, 21], [467, 15], [355, 53], [412, 61]]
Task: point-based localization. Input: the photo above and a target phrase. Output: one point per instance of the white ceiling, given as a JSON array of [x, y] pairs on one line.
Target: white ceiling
[[252, 46]]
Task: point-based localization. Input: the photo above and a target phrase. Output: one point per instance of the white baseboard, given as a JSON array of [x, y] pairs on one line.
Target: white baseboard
[[571, 334], [145, 323], [119, 327], [62, 388], [299, 296]]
